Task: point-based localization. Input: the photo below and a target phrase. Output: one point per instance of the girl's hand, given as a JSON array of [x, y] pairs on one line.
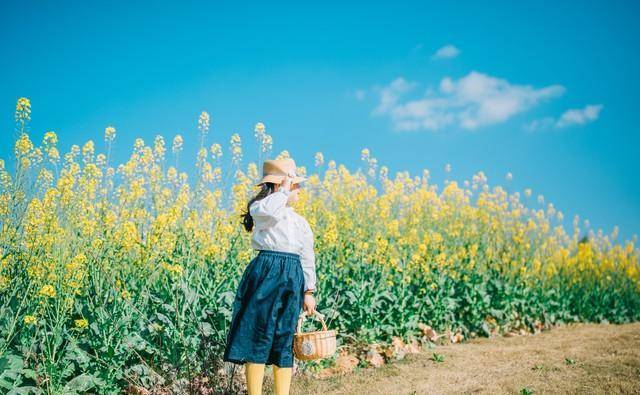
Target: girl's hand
[[309, 304], [286, 183]]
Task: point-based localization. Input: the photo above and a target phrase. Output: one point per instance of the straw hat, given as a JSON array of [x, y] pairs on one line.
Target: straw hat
[[274, 170]]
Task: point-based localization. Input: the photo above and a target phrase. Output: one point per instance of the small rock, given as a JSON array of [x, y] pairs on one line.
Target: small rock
[[345, 363], [374, 358]]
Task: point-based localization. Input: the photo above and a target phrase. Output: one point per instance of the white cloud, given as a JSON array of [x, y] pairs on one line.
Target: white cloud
[[390, 94], [574, 116], [446, 52], [470, 102], [579, 116]]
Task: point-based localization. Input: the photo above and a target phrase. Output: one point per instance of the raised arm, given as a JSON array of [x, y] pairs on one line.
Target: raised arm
[[270, 209]]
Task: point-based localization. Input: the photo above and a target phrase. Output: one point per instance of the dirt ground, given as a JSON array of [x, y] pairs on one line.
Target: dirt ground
[[577, 358]]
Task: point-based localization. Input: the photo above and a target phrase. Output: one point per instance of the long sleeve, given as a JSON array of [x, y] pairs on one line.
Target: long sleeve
[[269, 210], [307, 258]]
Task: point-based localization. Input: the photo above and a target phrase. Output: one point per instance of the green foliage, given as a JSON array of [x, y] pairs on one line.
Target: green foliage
[[437, 357]]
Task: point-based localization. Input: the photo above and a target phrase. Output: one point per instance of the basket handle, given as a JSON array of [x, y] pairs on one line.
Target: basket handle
[[305, 314]]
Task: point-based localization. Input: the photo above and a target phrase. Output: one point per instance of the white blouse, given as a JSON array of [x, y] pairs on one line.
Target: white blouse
[[278, 227]]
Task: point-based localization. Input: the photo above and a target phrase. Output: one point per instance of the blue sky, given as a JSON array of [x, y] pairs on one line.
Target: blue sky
[[547, 90]]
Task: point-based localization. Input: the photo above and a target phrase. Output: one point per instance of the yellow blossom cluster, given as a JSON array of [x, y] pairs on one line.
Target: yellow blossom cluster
[[137, 216]]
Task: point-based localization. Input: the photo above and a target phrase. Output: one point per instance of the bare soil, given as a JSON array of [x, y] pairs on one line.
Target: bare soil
[[576, 358]]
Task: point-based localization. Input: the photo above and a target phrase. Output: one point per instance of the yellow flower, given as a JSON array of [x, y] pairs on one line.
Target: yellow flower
[[88, 149], [53, 154], [204, 122], [81, 323], [151, 213], [175, 270], [109, 133], [236, 148], [22, 103], [50, 138], [23, 145], [125, 294], [259, 128], [364, 154], [23, 109], [216, 151], [47, 290], [177, 144]]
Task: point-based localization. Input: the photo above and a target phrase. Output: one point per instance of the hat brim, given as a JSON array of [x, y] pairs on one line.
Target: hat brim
[[278, 179]]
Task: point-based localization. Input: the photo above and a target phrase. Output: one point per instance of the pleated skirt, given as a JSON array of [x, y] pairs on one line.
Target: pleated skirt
[[266, 308]]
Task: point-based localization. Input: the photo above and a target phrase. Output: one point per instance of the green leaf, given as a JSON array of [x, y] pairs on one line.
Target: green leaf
[[83, 382], [135, 341], [75, 353], [25, 391], [11, 367], [205, 328]]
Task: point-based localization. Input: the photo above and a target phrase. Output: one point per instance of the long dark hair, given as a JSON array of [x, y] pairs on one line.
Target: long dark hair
[[267, 188]]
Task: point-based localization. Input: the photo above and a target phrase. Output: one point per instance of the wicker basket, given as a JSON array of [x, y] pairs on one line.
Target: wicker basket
[[308, 346]]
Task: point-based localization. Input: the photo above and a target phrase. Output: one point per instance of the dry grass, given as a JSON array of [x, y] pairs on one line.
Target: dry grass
[[578, 358]]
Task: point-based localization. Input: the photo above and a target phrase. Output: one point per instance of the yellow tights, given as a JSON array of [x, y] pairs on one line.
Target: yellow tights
[[255, 373]]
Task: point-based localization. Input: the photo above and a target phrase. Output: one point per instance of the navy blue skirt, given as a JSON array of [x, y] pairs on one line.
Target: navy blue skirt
[[266, 308]]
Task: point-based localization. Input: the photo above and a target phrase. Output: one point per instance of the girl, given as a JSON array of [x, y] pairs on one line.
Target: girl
[[276, 284]]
